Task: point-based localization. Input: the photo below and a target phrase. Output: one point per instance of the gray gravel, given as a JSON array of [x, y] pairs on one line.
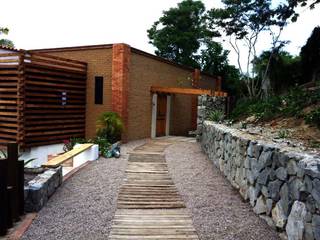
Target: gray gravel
[[218, 210], [84, 206]]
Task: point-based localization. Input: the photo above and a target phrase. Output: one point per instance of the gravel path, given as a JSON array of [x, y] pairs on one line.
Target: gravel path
[[83, 206], [217, 209]]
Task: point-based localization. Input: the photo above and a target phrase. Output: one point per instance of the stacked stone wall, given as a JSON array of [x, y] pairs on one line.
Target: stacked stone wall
[[282, 186]]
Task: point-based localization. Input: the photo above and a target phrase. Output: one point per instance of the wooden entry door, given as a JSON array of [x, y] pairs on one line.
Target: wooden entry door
[[161, 115]]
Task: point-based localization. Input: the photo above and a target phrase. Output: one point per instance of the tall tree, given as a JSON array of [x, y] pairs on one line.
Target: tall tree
[[3, 41], [179, 33], [242, 22], [310, 57]]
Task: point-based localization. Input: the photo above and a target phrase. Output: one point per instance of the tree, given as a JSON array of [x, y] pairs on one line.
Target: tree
[[242, 22], [284, 69], [310, 57], [5, 42], [287, 10], [179, 33], [214, 60]]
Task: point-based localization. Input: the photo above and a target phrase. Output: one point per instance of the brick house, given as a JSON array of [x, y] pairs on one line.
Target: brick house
[[120, 78]]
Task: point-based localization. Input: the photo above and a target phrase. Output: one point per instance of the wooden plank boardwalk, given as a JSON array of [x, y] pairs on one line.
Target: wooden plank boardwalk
[[149, 204]]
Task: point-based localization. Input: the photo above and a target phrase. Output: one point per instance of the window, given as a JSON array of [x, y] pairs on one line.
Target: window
[[98, 90]]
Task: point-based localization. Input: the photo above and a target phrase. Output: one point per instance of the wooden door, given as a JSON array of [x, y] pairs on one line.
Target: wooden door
[[161, 115]]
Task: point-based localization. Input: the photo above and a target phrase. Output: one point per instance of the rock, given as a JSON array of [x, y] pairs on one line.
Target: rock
[[308, 232], [269, 204], [283, 236], [281, 173], [296, 220], [284, 198], [260, 206], [254, 150], [253, 194], [264, 191], [292, 167], [311, 204], [316, 184], [295, 185], [265, 159], [280, 159], [316, 195], [278, 216], [268, 220], [316, 226], [307, 184], [264, 176], [274, 189]]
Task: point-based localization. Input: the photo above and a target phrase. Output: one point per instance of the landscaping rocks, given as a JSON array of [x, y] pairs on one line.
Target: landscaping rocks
[[279, 182], [39, 189], [295, 225]]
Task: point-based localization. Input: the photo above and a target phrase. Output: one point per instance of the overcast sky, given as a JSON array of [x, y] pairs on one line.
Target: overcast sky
[[60, 23]]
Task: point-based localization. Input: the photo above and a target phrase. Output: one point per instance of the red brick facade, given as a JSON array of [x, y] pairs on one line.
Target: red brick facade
[[119, 83]]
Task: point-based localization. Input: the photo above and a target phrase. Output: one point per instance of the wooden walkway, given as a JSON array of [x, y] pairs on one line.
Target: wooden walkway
[[149, 204]]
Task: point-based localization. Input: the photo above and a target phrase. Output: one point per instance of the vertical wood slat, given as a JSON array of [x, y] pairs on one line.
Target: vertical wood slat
[[4, 197], [21, 100]]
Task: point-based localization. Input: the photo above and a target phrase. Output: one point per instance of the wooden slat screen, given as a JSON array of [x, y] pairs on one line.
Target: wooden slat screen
[[9, 76], [50, 95]]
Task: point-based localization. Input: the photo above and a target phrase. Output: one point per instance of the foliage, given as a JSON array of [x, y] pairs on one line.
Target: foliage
[[103, 143], [283, 133], [242, 22], [69, 144], [284, 69], [313, 117], [310, 57], [290, 104], [178, 34], [109, 126], [288, 10], [5, 42], [216, 115]]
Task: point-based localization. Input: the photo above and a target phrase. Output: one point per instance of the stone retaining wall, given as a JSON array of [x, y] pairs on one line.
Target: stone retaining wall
[[38, 190], [282, 186]]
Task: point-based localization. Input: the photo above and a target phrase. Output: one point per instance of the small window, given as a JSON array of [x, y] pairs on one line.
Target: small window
[[98, 90]]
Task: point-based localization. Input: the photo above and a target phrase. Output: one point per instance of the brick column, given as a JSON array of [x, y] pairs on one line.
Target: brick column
[[194, 100], [120, 83]]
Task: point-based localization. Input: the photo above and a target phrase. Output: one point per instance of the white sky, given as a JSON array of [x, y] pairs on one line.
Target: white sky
[[62, 23]]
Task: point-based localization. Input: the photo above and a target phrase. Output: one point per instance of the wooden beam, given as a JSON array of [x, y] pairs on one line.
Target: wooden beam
[[174, 90]]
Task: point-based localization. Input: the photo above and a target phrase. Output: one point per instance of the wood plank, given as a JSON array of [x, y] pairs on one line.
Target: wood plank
[[55, 162]]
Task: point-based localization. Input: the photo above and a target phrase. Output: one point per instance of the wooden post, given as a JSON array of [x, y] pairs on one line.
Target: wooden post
[[21, 187], [4, 197], [194, 99], [21, 100], [13, 178], [218, 84]]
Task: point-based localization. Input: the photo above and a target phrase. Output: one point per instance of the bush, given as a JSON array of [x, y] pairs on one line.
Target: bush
[[313, 117], [69, 144], [103, 143], [109, 126], [216, 115]]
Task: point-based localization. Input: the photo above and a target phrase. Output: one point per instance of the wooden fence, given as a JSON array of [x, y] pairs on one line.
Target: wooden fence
[[11, 188], [42, 98]]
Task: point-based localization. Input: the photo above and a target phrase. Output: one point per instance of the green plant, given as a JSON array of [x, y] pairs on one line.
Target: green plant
[[26, 162], [69, 144], [216, 115], [103, 143], [110, 126], [313, 117], [283, 133]]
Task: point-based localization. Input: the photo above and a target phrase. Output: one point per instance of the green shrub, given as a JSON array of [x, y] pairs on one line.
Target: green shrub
[[216, 115], [283, 133], [313, 117], [69, 144], [109, 126], [103, 143]]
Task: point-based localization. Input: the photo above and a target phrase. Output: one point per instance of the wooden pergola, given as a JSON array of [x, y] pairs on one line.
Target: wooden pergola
[[188, 91]]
